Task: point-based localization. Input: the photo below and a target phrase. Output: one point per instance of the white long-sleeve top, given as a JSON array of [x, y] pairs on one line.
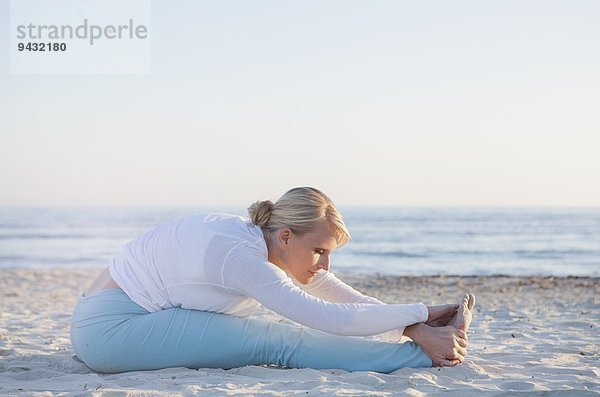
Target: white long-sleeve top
[[219, 263]]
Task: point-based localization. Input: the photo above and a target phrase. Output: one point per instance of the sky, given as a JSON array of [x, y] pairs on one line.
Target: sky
[[377, 103]]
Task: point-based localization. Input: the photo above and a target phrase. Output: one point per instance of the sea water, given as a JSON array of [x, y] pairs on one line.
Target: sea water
[[412, 241]]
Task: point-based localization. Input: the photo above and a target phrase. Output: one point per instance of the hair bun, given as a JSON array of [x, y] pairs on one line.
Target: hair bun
[[260, 212]]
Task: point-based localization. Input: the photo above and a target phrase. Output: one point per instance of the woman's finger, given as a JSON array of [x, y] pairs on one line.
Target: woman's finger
[[462, 351], [462, 342], [447, 363], [460, 333], [457, 356]]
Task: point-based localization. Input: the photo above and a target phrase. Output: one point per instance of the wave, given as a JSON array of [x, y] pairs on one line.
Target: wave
[[543, 254], [20, 260], [41, 236], [398, 254]]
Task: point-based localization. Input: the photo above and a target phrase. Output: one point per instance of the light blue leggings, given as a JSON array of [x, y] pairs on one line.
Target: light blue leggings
[[110, 333]]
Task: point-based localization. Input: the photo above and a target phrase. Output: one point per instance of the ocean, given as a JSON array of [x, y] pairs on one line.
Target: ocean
[[399, 241]]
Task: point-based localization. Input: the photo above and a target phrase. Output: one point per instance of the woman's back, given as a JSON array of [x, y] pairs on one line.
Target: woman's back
[[179, 263]]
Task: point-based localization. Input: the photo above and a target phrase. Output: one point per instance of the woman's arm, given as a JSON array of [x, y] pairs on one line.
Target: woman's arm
[[327, 286], [248, 272]]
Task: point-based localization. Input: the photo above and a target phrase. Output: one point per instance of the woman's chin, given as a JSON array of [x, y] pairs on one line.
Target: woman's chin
[[310, 277], [304, 279]]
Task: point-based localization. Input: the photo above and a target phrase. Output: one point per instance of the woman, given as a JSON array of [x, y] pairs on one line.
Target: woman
[[182, 293]]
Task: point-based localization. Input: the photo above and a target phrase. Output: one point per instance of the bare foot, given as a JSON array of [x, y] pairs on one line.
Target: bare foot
[[440, 316], [464, 315]]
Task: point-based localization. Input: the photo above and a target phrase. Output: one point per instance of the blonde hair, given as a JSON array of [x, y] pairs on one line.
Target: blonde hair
[[299, 209]]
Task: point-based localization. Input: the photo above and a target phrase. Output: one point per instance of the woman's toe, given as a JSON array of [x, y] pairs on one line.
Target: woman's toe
[[471, 303], [465, 301]]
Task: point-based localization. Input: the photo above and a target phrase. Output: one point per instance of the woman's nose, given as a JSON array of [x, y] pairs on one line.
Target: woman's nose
[[323, 263]]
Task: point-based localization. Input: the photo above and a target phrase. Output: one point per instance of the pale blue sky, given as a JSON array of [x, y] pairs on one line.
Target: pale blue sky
[[375, 102]]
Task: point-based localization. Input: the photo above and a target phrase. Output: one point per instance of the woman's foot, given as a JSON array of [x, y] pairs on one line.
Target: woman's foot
[[464, 314], [446, 346], [440, 316]]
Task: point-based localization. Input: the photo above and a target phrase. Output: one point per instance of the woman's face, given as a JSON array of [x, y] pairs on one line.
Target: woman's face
[[303, 256]]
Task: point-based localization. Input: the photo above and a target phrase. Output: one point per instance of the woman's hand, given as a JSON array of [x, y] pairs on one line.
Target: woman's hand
[[446, 346], [440, 315]]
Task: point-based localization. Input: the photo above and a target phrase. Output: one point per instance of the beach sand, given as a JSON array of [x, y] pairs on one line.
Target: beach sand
[[529, 335]]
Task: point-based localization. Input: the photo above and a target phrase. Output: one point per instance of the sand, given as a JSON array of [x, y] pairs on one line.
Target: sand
[[529, 335]]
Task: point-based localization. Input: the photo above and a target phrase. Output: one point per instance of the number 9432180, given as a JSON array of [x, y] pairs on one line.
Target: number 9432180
[[42, 46]]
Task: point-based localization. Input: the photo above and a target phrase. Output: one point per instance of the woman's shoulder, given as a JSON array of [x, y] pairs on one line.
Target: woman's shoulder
[[227, 229], [218, 221], [230, 223], [218, 218]]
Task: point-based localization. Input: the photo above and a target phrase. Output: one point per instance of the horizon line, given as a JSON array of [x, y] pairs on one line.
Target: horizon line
[[351, 206]]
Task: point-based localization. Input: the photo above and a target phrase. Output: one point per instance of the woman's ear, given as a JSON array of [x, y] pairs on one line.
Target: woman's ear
[[283, 236]]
